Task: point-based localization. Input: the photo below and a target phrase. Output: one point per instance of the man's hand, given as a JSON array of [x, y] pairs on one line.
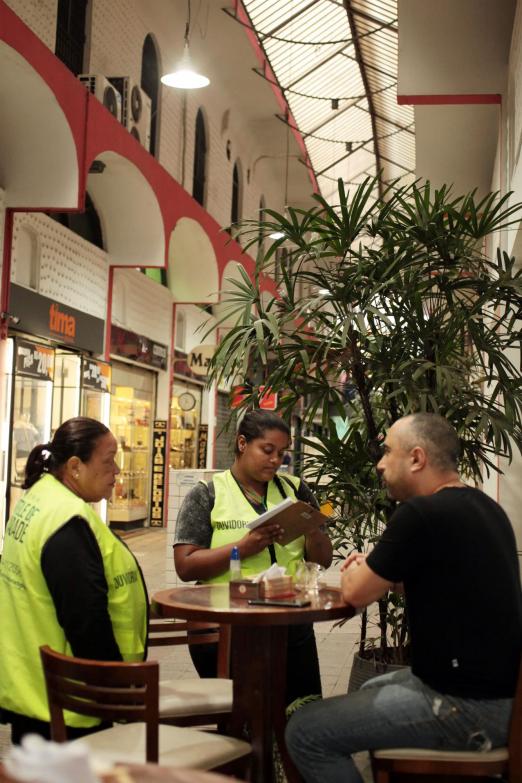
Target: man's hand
[[359, 584], [354, 558]]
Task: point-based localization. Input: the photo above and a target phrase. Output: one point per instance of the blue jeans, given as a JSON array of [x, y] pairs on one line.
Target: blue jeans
[[394, 710]]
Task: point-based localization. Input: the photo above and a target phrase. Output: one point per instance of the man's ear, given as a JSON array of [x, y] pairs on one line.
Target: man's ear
[[418, 458]]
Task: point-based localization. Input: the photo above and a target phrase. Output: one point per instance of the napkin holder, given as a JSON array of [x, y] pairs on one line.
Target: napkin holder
[[279, 587], [245, 588]]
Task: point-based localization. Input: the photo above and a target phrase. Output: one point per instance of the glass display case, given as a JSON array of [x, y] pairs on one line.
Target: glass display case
[[131, 412], [184, 424], [31, 408], [66, 395]]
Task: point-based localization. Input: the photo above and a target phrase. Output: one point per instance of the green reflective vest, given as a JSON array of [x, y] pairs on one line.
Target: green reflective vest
[[231, 512], [27, 609]]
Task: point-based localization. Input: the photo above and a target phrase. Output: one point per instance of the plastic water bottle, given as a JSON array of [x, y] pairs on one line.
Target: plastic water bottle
[[235, 564]]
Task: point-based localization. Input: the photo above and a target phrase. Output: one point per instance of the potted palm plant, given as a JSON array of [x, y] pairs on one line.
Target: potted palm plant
[[387, 305]]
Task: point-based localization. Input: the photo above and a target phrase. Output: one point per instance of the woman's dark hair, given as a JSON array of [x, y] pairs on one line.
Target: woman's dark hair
[[74, 438], [254, 424]]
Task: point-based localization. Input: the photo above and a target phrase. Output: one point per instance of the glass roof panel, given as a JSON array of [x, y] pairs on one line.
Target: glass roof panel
[[337, 68]]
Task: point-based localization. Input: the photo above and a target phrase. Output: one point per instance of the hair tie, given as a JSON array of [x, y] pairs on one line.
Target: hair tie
[[46, 453]]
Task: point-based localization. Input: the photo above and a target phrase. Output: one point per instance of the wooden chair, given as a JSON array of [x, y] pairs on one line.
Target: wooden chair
[[129, 692], [397, 764], [194, 701]]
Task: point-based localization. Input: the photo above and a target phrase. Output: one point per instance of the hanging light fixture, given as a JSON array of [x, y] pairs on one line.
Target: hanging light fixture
[[281, 234], [185, 77]]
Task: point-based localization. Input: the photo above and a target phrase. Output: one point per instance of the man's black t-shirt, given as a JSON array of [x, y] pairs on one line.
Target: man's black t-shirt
[[455, 552]]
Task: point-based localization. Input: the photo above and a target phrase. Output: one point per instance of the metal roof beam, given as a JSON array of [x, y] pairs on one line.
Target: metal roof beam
[[399, 165], [369, 18], [286, 21], [369, 97], [314, 68]]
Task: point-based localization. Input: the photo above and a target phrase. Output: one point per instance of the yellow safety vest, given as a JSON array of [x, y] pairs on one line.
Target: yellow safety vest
[[27, 609], [231, 512]]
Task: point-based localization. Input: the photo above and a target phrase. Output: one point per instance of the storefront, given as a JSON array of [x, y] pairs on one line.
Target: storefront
[[50, 378], [188, 430], [133, 410]]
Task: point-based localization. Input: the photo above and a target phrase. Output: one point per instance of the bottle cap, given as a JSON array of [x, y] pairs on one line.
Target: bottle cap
[[234, 555]]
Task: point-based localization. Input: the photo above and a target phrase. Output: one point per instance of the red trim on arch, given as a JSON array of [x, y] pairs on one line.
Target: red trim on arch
[[108, 320], [448, 100], [6, 271]]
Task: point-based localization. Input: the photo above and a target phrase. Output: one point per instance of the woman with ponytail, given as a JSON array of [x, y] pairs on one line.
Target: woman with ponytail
[[65, 579]]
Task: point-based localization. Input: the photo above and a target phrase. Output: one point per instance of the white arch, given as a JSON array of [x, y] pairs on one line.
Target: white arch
[[231, 272], [38, 160], [129, 213], [193, 269]]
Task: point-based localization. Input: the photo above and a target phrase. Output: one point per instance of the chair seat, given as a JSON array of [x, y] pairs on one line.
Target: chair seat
[[425, 754], [208, 696], [178, 747]]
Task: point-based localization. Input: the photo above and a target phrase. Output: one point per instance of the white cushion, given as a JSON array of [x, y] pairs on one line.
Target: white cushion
[[178, 747], [498, 754], [178, 698]]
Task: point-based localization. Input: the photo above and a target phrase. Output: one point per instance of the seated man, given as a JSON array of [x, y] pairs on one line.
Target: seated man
[[453, 549]]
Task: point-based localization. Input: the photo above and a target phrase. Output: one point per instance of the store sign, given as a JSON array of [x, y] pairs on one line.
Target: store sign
[[96, 375], [138, 348], [199, 358], [34, 360], [159, 456], [42, 316], [180, 366], [202, 445], [267, 399], [238, 395]]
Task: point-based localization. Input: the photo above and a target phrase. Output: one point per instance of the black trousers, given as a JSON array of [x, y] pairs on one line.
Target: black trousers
[[302, 664]]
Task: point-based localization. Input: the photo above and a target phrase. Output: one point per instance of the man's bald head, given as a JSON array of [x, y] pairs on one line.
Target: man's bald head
[[435, 435]]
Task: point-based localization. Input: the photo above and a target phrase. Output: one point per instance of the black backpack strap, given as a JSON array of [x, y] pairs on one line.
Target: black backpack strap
[[211, 491], [279, 479]]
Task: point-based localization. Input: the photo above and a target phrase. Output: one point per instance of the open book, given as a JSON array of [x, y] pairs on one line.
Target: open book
[[295, 518]]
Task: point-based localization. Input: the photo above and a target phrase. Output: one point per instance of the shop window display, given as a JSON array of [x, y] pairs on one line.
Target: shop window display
[[131, 424], [184, 426]]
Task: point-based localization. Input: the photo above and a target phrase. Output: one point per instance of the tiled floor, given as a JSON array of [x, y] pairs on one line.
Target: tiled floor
[[335, 645]]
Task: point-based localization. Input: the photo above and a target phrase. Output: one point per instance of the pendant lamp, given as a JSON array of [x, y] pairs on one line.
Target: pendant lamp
[[185, 76], [280, 234]]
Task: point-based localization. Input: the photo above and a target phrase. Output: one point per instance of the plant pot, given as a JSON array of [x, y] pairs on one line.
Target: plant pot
[[364, 669]]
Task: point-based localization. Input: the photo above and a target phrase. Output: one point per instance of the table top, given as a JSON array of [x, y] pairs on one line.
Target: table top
[[147, 773], [213, 602]]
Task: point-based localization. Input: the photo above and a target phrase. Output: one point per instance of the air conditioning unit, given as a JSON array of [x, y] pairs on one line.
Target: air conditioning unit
[[106, 92], [137, 110]]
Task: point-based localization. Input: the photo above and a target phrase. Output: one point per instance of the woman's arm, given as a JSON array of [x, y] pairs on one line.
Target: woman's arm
[[73, 569], [318, 547], [195, 562], [193, 557]]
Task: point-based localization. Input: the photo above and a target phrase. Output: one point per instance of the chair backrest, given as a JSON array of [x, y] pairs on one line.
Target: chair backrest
[[515, 732], [100, 689], [171, 631]]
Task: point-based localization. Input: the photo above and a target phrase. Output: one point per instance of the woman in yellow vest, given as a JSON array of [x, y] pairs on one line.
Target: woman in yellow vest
[[65, 579], [212, 521]]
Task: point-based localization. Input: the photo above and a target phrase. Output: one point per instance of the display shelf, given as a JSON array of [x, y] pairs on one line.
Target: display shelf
[[131, 425], [184, 426]]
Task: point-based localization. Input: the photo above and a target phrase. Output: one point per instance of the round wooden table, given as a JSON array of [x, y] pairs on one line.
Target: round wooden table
[[257, 658]]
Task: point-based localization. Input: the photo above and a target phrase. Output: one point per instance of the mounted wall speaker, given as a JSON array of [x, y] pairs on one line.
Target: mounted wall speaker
[[105, 91]]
